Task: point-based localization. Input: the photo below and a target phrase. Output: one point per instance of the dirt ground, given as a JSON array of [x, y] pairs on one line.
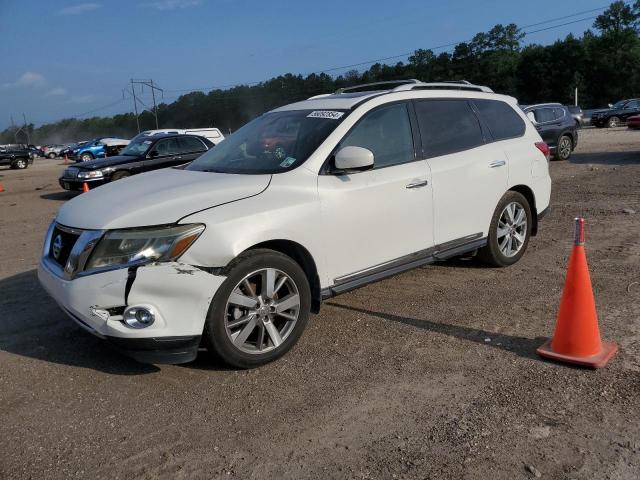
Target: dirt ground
[[431, 374]]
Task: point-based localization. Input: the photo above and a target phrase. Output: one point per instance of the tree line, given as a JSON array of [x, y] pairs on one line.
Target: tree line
[[604, 64]]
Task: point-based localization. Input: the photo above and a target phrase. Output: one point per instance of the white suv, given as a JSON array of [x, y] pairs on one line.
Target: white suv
[[305, 202]]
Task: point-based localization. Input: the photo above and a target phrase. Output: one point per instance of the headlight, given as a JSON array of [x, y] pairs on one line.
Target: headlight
[[120, 247], [90, 174]]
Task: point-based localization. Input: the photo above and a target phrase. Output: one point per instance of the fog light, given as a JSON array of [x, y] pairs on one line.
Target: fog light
[[138, 317]]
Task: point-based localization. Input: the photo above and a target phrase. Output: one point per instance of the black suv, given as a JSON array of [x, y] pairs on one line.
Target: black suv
[[16, 155], [556, 126], [143, 154], [616, 114]]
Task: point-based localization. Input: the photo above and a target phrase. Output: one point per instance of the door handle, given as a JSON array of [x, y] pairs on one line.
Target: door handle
[[418, 184], [497, 163]]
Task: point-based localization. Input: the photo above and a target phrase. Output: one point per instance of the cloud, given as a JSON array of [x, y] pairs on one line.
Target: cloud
[[56, 92], [28, 79], [79, 9], [172, 4]]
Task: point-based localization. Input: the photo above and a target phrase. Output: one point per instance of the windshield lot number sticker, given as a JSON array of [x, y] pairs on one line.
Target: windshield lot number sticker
[[330, 114]]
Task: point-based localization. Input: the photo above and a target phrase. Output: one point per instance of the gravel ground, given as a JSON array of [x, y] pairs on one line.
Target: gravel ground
[[430, 374]]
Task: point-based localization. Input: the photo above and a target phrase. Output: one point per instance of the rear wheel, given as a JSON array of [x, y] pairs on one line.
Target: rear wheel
[[86, 157], [260, 311], [613, 122], [20, 164], [565, 146], [509, 231], [51, 155]]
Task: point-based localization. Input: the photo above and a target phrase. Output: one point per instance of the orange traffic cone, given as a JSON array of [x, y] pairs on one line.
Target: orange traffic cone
[[577, 336], [1, 188], [85, 187], [66, 159]]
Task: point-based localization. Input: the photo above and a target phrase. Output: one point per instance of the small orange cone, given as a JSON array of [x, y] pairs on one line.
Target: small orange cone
[[66, 159], [85, 187], [577, 336], [1, 188]]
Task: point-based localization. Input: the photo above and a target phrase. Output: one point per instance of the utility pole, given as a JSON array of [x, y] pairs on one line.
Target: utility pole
[[153, 87], [26, 130], [135, 104]]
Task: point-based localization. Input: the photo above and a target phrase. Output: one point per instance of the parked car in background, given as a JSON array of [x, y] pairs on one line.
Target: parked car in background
[[68, 151], [617, 114], [98, 148], [556, 126], [15, 155], [633, 122], [214, 135], [35, 151], [53, 150], [142, 154], [236, 249], [577, 114]]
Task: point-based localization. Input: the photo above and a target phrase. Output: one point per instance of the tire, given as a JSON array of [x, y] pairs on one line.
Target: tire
[[120, 175], [613, 122], [564, 148], [86, 157], [51, 155], [20, 164], [496, 253], [243, 335]]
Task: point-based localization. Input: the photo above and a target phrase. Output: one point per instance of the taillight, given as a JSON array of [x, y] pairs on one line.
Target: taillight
[[544, 148]]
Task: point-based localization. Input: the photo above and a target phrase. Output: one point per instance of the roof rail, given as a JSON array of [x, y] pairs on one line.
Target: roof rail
[[368, 86], [451, 85]]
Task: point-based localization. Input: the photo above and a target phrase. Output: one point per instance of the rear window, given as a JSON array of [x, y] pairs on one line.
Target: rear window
[[503, 122], [447, 126]]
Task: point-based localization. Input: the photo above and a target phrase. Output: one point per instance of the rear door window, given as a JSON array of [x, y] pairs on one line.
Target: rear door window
[[502, 120], [447, 126], [191, 145]]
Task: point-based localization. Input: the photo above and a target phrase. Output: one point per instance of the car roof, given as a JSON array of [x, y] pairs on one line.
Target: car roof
[[350, 97], [540, 105]]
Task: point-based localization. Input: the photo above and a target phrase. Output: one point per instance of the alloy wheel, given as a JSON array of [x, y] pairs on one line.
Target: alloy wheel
[[564, 148], [262, 311], [512, 229]]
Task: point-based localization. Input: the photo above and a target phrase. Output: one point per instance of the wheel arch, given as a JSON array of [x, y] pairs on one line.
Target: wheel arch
[[302, 257], [526, 191]]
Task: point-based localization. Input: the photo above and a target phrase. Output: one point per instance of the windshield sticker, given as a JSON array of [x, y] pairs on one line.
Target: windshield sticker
[[330, 114], [287, 162]]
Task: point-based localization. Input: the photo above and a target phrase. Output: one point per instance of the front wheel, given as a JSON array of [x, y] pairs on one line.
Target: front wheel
[[51, 155], [260, 311], [613, 122], [86, 157], [509, 231]]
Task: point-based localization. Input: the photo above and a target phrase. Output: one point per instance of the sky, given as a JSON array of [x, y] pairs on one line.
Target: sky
[[65, 59]]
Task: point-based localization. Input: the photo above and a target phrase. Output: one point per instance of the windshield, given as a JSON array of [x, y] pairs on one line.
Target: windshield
[[272, 143], [619, 104], [137, 147]]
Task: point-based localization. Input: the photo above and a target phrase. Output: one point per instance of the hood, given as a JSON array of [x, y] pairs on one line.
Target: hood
[[106, 162], [156, 198]]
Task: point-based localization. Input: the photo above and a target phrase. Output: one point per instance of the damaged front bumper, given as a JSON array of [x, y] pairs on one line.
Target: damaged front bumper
[[177, 293]]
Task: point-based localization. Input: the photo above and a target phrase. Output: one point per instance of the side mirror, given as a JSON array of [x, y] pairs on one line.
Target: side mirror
[[153, 154], [610, 106], [353, 159]]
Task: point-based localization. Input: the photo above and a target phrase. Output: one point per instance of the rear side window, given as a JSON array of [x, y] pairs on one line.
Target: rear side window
[[503, 122], [544, 115], [191, 144], [386, 132], [558, 112], [447, 126]]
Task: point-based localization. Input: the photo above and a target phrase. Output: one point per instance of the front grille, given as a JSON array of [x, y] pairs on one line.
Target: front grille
[[70, 172], [62, 242]]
